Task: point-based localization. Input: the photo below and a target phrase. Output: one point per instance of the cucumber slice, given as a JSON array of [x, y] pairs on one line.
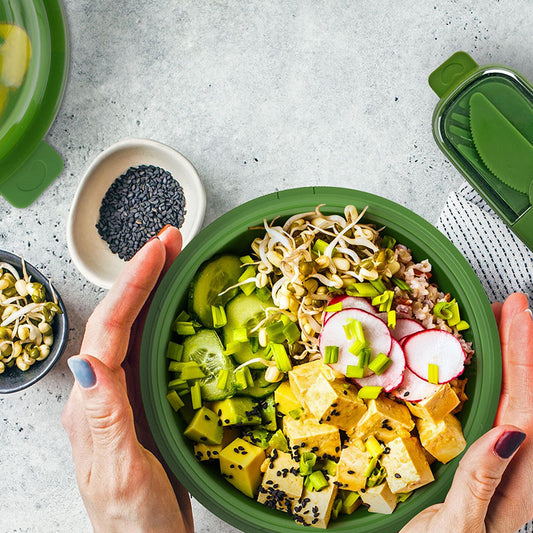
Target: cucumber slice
[[261, 389], [205, 348], [245, 311], [214, 276]]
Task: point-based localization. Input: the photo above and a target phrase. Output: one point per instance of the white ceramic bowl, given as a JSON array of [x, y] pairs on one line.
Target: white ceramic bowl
[[88, 250]]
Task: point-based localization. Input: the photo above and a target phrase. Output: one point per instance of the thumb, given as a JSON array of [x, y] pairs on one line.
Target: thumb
[[479, 474], [105, 401]]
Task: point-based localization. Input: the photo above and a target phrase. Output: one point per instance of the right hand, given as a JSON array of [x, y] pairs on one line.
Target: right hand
[[490, 492]]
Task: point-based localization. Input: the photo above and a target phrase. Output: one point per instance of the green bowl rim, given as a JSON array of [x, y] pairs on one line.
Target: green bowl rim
[[229, 504]]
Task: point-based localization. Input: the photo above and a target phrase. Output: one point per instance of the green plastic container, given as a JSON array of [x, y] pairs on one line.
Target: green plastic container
[[27, 164], [484, 125], [229, 233]]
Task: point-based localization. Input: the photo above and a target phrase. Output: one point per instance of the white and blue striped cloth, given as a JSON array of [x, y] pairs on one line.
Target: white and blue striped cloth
[[502, 262]]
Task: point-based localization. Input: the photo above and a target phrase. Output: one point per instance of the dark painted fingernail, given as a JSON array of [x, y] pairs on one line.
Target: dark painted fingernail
[[508, 443], [82, 371]]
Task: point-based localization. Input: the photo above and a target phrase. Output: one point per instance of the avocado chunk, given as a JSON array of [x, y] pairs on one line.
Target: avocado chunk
[[268, 414], [238, 411], [204, 427], [210, 452], [240, 464], [285, 399]]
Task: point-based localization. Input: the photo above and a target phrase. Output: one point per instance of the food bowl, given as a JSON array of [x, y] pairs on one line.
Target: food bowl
[[90, 253], [13, 379], [230, 232]]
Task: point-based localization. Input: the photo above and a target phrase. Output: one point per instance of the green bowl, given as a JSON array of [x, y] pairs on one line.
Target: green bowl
[[230, 232]]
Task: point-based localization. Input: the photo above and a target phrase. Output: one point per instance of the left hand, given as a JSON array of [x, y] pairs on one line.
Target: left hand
[[122, 483]]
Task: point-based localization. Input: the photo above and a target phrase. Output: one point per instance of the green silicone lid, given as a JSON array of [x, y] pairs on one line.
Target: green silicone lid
[[229, 233], [27, 164]]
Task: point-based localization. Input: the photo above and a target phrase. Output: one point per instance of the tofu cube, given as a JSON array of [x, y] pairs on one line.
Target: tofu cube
[[240, 464], [379, 499], [282, 484], [308, 435], [352, 466], [406, 465], [285, 399], [384, 418], [301, 377], [314, 508], [441, 403], [443, 440], [331, 402]]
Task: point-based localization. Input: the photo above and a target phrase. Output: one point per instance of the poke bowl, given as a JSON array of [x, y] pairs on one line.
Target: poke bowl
[[233, 233]]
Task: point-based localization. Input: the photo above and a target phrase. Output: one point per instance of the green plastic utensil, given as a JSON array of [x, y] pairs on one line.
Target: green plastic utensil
[[27, 164], [484, 125], [230, 233]]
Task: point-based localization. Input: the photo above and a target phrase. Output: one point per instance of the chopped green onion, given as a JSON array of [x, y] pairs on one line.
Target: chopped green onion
[[285, 319], [363, 289], [442, 310], [275, 332], [369, 392], [174, 366], [279, 441], [357, 347], [433, 373], [263, 294], [178, 384], [334, 308], [318, 481], [184, 328], [232, 347], [364, 358], [192, 371], [240, 335], [379, 364], [388, 242], [336, 509], [391, 319], [331, 355], [174, 351], [353, 371], [384, 301], [319, 247], [174, 400], [183, 317], [244, 378], [348, 504], [296, 413], [379, 285], [330, 467], [373, 447], [222, 379], [291, 332], [354, 330], [402, 496], [307, 462], [219, 316], [456, 317], [247, 288], [462, 325], [376, 477], [254, 344], [400, 283], [280, 357], [196, 395], [371, 466], [246, 259]]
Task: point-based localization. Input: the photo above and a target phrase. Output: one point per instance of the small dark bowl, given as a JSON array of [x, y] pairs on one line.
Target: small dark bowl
[[13, 379]]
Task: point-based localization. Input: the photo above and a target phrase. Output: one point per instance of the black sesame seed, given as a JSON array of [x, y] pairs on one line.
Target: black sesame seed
[[398, 476], [203, 439]]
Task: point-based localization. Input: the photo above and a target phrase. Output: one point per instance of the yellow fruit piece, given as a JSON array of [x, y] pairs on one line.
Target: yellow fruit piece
[[15, 54], [285, 399]]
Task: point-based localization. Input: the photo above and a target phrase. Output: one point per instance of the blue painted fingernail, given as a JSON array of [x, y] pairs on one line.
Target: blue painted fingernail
[[82, 371]]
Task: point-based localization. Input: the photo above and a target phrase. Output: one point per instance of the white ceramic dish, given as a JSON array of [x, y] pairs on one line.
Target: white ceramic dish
[[88, 250]]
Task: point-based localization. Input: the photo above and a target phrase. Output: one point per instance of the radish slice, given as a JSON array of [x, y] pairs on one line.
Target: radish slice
[[349, 302], [414, 389], [393, 376], [405, 327], [376, 334], [434, 346]]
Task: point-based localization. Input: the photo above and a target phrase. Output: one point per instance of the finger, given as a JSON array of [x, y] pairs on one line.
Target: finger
[[75, 424], [108, 329], [513, 305], [516, 404], [172, 239], [106, 408], [497, 310], [479, 474]]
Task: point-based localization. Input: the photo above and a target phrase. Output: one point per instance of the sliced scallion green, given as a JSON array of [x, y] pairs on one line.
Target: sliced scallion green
[[248, 273], [291, 332], [371, 466], [318, 481], [462, 325], [174, 351], [196, 395], [219, 316], [391, 319], [240, 335], [373, 447], [307, 462], [174, 400], [331, 354], [191, 372], [334, 308], [280, 357], [369, 392], [379, 285], [222, 379], [275, 332], [353, 371], [232, 347], [400, 283], [184, 328], [263, 294], [379, 364], [433, 373], [388, 242], [363, 289]]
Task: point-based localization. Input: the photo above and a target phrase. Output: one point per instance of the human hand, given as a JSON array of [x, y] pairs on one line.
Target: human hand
[[493, 486], [122, 483]]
